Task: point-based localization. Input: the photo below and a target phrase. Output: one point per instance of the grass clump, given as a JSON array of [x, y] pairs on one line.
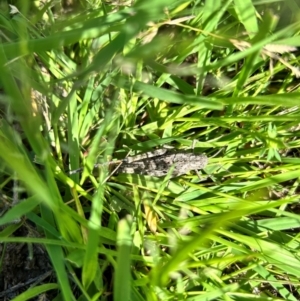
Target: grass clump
[[90, 81]]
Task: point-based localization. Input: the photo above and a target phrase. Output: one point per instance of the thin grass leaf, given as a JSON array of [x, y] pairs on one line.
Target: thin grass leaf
[[122, 283]]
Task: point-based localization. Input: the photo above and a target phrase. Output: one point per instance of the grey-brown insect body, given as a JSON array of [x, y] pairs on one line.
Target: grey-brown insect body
[[159, 162]]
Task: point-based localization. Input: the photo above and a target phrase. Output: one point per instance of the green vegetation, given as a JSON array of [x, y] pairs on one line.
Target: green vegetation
[[92, 81]]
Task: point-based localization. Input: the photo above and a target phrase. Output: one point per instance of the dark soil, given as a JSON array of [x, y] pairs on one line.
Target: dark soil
[[24, 266]]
